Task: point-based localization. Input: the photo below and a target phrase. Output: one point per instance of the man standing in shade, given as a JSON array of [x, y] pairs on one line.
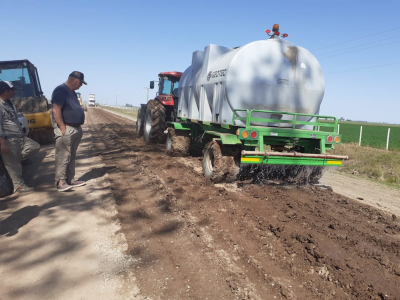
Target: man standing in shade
[[14, 145], [68, 116]]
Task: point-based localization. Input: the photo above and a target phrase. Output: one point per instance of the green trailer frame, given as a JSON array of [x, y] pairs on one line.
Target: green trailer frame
[[268, 143]]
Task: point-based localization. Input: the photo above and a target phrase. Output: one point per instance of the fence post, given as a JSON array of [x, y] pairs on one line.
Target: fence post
[[359, 143], [387, 141]]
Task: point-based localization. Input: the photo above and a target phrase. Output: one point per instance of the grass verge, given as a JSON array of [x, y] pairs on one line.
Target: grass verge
[[377, 164], [130, 113]]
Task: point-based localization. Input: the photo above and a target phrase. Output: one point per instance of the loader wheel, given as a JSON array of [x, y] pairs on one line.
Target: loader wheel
[[219, 167], [43, 136], [155, 122], [140, 122], [6, 186], [178, 142]]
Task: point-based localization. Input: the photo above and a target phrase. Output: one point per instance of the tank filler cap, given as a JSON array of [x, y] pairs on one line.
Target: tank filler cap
[[275, 32]]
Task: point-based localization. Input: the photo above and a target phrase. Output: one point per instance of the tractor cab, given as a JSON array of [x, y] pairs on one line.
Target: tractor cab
[[24, 77], [168, 85]]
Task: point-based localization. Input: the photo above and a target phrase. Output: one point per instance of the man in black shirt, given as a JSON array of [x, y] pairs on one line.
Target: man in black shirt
[[68, 116]]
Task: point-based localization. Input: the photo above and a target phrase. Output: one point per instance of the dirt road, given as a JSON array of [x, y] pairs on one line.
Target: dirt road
[[191, 239], [150, 226], [62, 245]]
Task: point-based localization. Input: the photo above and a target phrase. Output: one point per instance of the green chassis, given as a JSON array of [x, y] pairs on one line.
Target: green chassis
[[296, 146]]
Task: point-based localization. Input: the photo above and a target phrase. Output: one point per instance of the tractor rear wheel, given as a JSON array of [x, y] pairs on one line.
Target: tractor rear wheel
[[6, 186], [140, 122], [155, 122], [178, 142], [219, 167]]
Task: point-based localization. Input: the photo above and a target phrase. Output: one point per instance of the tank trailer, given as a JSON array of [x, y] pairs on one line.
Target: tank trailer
[[255, 107]]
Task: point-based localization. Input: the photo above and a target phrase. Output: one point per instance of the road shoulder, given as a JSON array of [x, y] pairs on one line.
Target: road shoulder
[[63, 245], [377, 195]]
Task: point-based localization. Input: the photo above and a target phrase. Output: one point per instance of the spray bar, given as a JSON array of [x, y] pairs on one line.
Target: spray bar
[[295, 154]]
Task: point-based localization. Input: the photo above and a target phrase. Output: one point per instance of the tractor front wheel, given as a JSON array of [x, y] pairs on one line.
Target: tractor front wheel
[[155, 122]]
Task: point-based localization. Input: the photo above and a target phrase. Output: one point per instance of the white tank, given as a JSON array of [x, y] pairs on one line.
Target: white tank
[[270, 74]]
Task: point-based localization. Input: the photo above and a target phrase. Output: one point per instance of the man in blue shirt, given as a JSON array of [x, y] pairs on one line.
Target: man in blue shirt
[[68, 116]]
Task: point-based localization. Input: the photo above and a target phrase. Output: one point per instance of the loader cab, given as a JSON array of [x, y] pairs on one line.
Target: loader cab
[[79, 96], [24, 77]]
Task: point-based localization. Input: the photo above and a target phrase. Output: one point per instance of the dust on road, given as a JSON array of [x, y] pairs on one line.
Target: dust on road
[[190, 238]]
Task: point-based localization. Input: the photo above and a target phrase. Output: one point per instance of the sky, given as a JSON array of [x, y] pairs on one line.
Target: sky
[[121, 45]]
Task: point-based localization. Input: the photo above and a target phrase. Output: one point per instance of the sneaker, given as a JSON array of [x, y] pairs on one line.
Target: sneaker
[[24, 189], [64, 187], [77, 183]]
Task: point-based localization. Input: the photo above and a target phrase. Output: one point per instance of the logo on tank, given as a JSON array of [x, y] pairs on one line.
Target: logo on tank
[[282, 81], [215, 74]]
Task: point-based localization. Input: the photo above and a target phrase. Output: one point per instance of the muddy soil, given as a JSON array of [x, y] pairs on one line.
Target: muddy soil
[[193, 239]]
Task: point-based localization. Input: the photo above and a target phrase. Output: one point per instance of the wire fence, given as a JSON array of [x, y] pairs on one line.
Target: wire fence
[[373, 135], [131, 108]]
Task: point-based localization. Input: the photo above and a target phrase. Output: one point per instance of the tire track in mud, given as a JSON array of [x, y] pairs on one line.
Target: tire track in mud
[[201, 247], [194, 239]]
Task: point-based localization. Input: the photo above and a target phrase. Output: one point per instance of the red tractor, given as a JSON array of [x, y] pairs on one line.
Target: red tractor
[[152, 117]]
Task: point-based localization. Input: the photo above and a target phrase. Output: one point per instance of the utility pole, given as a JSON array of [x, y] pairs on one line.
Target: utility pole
[[147, 93], [116, 100], [106, 101]]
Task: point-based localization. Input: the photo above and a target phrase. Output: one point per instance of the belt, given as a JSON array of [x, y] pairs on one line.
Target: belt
[[73, 125], [8, 137]]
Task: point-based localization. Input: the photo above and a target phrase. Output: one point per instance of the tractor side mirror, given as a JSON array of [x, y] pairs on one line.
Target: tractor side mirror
[[152, 84]]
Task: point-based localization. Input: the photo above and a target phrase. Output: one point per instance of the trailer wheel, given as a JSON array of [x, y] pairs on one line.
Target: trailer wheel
[[6, 186], [155, 122], [178, 142], [316, 174], [219, 167], [140, 122]]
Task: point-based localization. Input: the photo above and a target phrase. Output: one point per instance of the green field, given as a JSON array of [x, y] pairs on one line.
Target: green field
[[373, 135]]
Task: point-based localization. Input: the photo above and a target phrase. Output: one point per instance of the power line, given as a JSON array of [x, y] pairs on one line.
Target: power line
[[352, 40], [361, 45], [396, 63], [359, 49]]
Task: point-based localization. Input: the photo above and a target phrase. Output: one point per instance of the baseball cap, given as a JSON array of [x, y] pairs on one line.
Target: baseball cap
[[79, 75], [5, 86]]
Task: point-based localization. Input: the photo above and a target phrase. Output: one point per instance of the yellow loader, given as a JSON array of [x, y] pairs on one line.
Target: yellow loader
[[29, 99]]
